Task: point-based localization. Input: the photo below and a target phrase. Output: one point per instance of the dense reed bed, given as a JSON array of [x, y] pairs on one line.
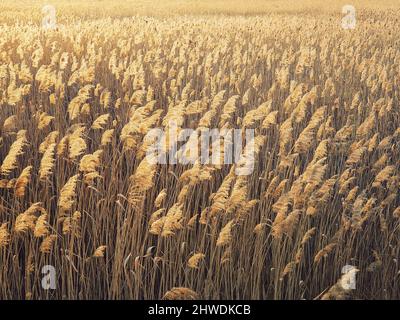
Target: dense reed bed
[[78, 193]]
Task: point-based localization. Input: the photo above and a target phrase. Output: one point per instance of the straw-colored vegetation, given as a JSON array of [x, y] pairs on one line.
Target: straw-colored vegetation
[[77, 193]]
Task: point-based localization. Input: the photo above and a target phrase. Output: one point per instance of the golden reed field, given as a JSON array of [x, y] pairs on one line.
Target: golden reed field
[[85, 214]]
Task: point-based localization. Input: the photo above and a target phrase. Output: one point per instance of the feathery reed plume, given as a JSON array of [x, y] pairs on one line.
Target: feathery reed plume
[[47, 162], [305, 141], [225, 236], [308, 235], [26, 220], [259, 228], [90, 178], [286, 136], [157, 226], [194, 260], [285, 225], [356, 156], [74, 107], [68, 194], [180, 293], [99, 252], [100, 121], [90, 162], [220, 198], [77, 144], [41, 227], [323, 253], [16, 149], [173, 220], [4, 235], [10, 124], [142, 180], [50, 139], [63, 145], [288, 269], [238, 195], [191, 224], [72, 224], [160, 198], [22, 181], [44, 120], [106, 138], [383, 175], [270, 120], [47, 244], [257, 114], [156, 215]]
